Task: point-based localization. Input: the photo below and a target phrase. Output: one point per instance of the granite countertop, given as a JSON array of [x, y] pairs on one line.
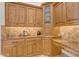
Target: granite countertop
[[71, 45], [41, 36]]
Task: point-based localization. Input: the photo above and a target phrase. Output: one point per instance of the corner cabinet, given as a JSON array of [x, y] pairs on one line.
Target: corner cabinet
[[47, 18]]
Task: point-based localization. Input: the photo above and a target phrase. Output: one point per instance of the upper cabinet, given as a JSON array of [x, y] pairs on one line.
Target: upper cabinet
[[59, 14], [30, 16], [47, 15], [47, 18], [66, 13], [39, 18], [20, 14], [10, 14], [72, 11]]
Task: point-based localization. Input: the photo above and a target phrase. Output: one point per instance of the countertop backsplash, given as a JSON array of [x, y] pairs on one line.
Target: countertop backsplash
[[70, 33], [16, 31]]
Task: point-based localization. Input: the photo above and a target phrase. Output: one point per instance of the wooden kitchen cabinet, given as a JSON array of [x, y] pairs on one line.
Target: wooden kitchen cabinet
[[28, 47], [13, 48], [66, 13], [56, 49], [8, 48], [47, 47], [10, 14], [15, 15], [32, 46], [39, 18], [59, 14], [72, 10], [20, 14], [47, 18], [30, 16], [37, 46], [20, 48]]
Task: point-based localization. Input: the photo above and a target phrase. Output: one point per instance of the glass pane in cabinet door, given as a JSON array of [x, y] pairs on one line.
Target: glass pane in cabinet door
[[47, 8], [47, 15], [47, 20]]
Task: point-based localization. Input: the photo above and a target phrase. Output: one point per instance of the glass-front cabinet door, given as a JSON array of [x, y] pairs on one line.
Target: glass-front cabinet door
[[47, 20], [47, 15]]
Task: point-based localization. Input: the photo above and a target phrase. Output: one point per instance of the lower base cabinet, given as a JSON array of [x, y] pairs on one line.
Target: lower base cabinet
[[30, 47], [20, 48], [13, 48], [56, 49], [47, 46], [9, 51]]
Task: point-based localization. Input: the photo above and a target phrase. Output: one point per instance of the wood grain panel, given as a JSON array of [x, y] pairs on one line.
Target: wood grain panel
[[30, 16], [39, 18], [47, 46], [10, 14]]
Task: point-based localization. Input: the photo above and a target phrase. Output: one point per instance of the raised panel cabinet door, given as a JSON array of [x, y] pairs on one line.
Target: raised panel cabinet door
[[37, 46], [28, 48], [47, 46], [72, 10], [10, 14], [8, 48], [20, 48], [59, 14], [56, 49], [30, 16], [38, 18], [21, 15]]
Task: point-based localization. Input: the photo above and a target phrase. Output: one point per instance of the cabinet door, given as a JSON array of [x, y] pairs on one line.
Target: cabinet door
[[28, 48], [21, 15], [32, 46], [47, 46], [56, 49], [20, 48], [72, 10], [10, 14], [38, 18], [59, 14], [16, 15], [37, 46], [30, 16], [9, 48]]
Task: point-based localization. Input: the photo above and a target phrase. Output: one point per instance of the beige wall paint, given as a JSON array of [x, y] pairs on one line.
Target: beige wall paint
[[2, 18]]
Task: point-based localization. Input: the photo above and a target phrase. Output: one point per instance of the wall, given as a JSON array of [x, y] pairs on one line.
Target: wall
[[16, 31], [2, 13], [70, 33]]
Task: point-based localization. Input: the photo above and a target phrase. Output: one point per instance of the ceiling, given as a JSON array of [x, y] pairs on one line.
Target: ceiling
[[34, 3]]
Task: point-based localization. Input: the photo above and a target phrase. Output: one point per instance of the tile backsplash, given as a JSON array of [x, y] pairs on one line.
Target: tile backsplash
[[70, 33], [32, 31]]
